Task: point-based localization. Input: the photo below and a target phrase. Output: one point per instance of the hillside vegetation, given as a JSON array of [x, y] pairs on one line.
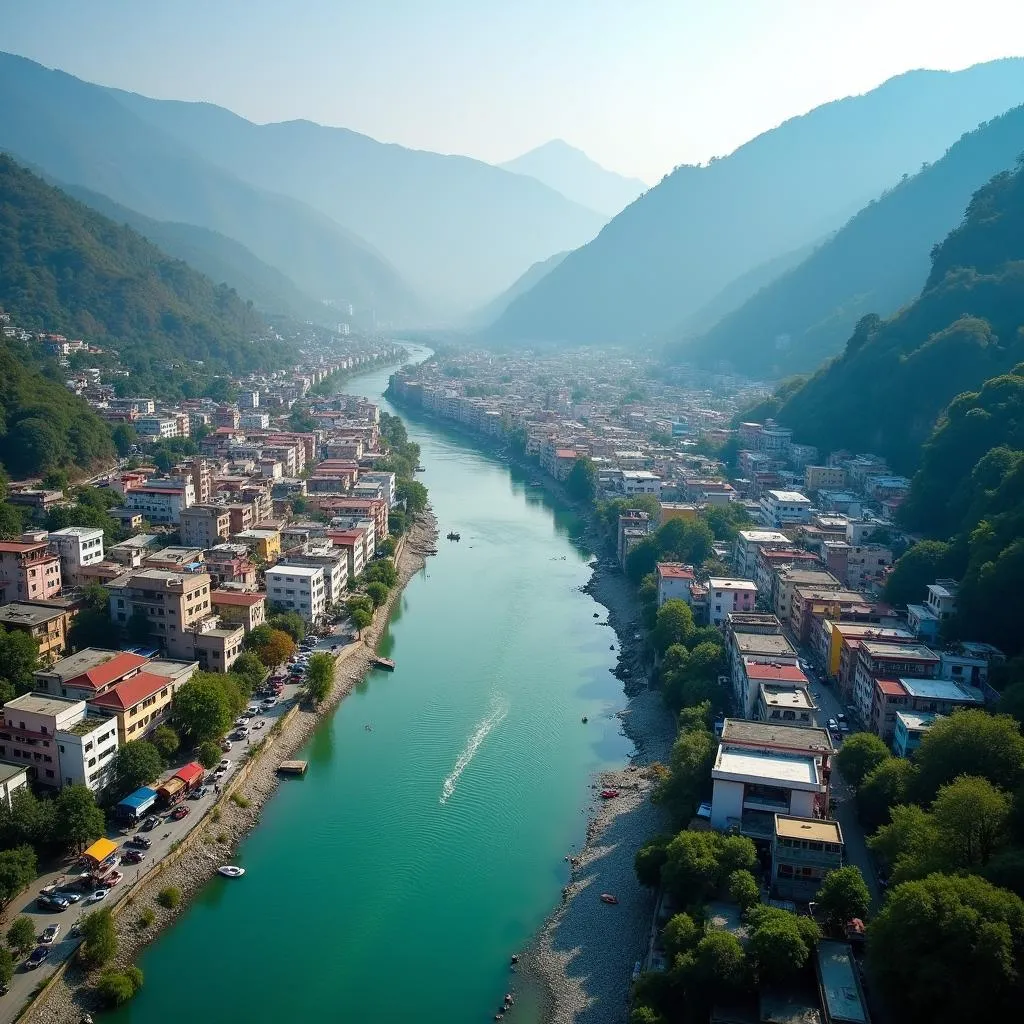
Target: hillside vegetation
[[875, 264], [889, 387]]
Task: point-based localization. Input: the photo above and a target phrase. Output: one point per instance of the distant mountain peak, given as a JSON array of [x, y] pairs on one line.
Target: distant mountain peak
[[569, 170]]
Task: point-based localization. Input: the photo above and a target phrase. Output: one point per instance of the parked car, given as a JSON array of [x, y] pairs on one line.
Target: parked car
[[179, 812], [141, 841], [134, 857], [150, 823], [199, 792], [51, 901], [224, 765], [50, 933], [225, 746], [241, 720], [270, 702], [98, 895], [39, 955], [833, 725]]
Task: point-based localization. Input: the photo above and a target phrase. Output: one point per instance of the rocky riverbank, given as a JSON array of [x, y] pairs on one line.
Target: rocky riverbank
[[210, 845]]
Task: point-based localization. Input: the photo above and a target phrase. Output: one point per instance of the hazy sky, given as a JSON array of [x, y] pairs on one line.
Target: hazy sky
[[641, 85]]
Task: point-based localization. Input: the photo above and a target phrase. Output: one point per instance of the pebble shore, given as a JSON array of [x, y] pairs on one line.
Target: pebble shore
[[70, 997]]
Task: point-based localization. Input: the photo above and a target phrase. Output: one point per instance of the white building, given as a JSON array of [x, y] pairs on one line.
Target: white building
[[12, 778], [640, 481], [782, 508], [156, 426], [334, 562], [749, 543], [674, 580], [727, 595], [387, 481], [60, 741], [78, 546], [298, 588], [162, 501]]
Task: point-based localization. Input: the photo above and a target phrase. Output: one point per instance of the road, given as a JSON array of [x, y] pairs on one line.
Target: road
[[163, 839]]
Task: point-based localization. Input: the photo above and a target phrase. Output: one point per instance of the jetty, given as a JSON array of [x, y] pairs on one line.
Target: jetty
[[385, 663], [293, 767]]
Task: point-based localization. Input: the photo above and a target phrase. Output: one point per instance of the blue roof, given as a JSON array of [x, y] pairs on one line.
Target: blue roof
[[140, 798]]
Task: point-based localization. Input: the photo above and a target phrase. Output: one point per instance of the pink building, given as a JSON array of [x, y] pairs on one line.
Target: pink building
[[29, 570], [727, 595]]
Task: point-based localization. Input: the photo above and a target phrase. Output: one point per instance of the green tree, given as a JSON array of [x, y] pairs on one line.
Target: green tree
[[780, 943], [890, 783], [201, 709], [843, 896], [27, 821], [361, 619], [250, 669], [124, 436], [17, 869], [291, 623], [319, 677], [689, 779], [680, 935], [275, 649], [136, 764], [860, 755], [673, 625], [78, 820], [92, 629], [413, 494], [909, 844], [716, 970], [691, 871], [100, 935], [6, 967], [166, 741], [139, 627], [922, 564], [21, 936], [208, 753], [649, 859], [581, 482], [115, 988], [19, 658], [378, 593], [971, 816], [640, 562], [971, 742], [944, 946], [743, 889]]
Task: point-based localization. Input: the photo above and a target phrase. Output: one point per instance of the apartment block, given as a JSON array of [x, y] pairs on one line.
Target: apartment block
[[299, 589], [78, 547], [29, 569], [46, 624], [204, 526]]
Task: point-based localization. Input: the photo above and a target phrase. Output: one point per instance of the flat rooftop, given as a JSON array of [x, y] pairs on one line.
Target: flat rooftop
[[840, 988], [15, 614], [786, 697], [9, 770], [763, 537], [785, 769], [941, 689], [763, 644], [817, 830], [881, 649], [808, 738], [41, 704], [915, 721], [730, 583], [87, 725]]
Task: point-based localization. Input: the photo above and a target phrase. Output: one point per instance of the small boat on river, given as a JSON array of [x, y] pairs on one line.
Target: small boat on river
[[454, 536], [231, 871], [607, 897]]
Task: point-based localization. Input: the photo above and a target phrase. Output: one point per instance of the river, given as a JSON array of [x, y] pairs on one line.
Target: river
[[395, 880]]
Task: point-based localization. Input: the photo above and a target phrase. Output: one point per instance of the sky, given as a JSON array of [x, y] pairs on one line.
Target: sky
[[640, 85]]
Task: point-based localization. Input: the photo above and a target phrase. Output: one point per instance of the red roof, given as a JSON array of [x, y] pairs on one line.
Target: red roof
[[18, 548], [346, 537], [565, 453], [675, 571], [775, 673], [132, 691], [232, 597], [190, 774], [116, 668], [891, 687]]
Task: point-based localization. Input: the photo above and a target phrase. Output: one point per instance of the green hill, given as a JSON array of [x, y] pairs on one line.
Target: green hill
[[875, 264], [889, 387]]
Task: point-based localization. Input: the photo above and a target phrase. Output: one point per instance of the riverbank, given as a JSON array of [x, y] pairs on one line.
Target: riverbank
[[190, 868]]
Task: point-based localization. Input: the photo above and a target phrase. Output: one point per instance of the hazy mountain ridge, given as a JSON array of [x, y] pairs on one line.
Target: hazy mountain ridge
[[683, 241]]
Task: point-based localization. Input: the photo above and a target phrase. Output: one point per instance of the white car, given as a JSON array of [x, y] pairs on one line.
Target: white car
[[99, 894], [224, 765], [50, 933]]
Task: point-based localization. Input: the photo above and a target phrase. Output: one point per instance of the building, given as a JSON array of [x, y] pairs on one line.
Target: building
[[59, 740], [216, 648], [676, 510], [674, 581], [46, 624], [829, 478], [78, 547], [750, 542], [727, 595], [784, 508], [884, 660], [141, 703], [174, 603], [299, 589], [175, 558], [240, 608], [12, 778], [352, 543], [29, 569], [755, 673], [784, 702], [162, 502], [264, 544], [909, 729], [804, 851], [88, 673], [634, 526], [839, 987], [334, 562], [204, 526], [788, 579]]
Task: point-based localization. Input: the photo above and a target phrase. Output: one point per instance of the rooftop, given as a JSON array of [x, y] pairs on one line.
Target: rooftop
[[786, 696], [305, 571], [773, 671], [78, 531], [167, 667], [763, 537], [818, 830], [95, 667], [810, 738], [730, 583], [790, 497], [42, 704], [9, 771], [16, 614], [941, 689], [785, 769], [127, 694], [891, 687], [87, 725], [768, 644], [840, 988], [901, 652], [235, 597], [675, 571], [916, 721]]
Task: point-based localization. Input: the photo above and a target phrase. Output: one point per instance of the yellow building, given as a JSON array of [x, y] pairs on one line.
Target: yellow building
[[677, 510], [142, 702], [265, 544], [47, 625]]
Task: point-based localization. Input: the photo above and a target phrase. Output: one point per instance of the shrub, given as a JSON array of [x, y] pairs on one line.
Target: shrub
[[21, 936], [239, 800], [146, 917], [115, 988], [169, 898], [100, 934]]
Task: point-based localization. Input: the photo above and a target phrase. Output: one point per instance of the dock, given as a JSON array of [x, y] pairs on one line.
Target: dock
[[385, 663], [293, 767]]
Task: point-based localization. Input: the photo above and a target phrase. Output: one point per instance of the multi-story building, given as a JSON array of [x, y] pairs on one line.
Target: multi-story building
[[215, 647], [263, 544], [352, 543], [909, 729], [240, 608], [838, 652], [88, 673], [810, 607], [387, 481], [790, 578], [174, 604], [157, 426], [298, 588], [162, 501], [13, 777], [754, 674], [784, 702], [884, 660], [934, 696], [334, 562], [804, 851], [784, 508], [46, 624], [727, 595], [750, 542], [29, 569], [831, 478], [78, 547], [139, 704], [59, 740], [204, 526], [674, 581]]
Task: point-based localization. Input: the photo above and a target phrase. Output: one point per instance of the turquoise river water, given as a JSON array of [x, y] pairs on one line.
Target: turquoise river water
[[395, 880]]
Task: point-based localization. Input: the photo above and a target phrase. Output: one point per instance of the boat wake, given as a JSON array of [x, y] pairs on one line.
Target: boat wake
[[499, 709]]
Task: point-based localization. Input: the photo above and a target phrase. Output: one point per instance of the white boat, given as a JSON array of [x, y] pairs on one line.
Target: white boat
[[231, 871]]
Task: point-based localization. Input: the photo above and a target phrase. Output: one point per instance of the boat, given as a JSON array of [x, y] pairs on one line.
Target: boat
[[233, 871], [607, 897], [454, 536], [609, 794], [385, 663], [421, 469], [584, 719]]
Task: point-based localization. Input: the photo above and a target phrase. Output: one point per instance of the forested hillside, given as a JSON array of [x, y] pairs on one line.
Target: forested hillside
[[875, 264], [890, 385]]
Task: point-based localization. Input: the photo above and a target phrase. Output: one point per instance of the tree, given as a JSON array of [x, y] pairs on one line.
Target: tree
[[361, 619], [691, 869], [641, 561], [166, 741], [673, 625], [124, 435], [843, 896], [890, 783], [413, 494], [78, 820], [971, 816], [679, 935], [743, 889], [386, 547], [944, 946], [860, 755], [735, 853], [920, 565], [208, 753], [693, 754], [6, 967], [275, 649], [971, 742], [136, 764], [378, 593], [250, 669], [291, 623], [581, 482], [649, 860], [28, 820], [116, 988], [319, 677], [717, 968], [139, 627], [909, 844], [780, 943], [17, 869], [21, 936], [100, 935], [201, 709], [19, 658]]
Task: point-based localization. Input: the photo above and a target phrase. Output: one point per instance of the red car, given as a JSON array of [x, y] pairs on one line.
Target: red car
[[179, 812]]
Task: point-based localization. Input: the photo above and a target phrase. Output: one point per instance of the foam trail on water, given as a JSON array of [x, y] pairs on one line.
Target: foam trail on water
[[499, 709]]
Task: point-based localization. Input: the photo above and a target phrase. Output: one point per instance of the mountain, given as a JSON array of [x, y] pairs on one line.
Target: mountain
[[458, 229], [683, 241], [570, 171], [490, 311], [874, 264], [891, 384], [81, 134], [220, 258]]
